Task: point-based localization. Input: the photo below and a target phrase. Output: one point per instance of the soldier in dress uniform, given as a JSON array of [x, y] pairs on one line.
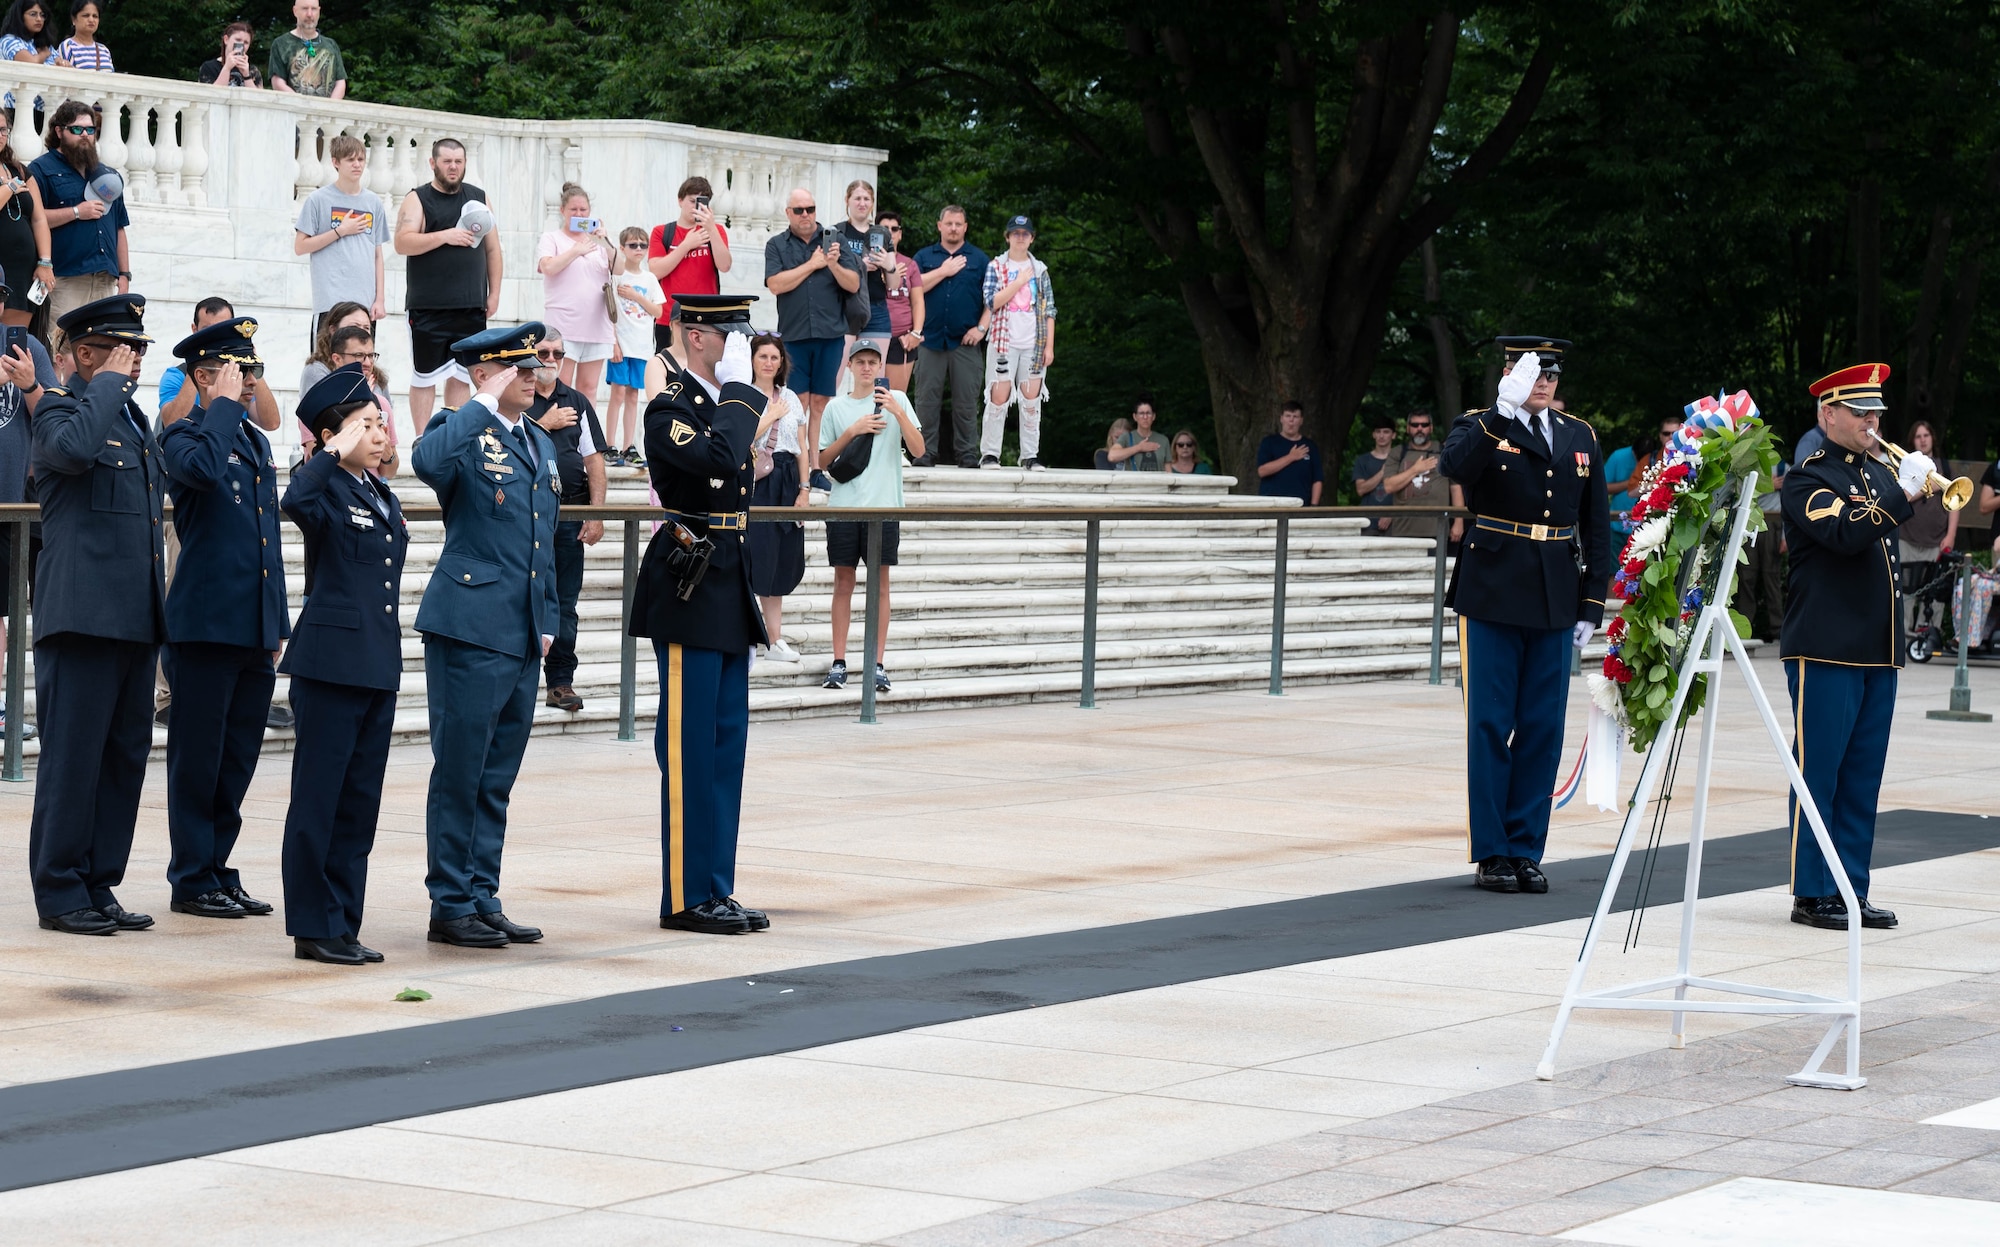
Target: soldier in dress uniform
[[1529, 585], [1842, 640], [694, 600], [346, 664], [100, 615], [488, 616], [226, 617]]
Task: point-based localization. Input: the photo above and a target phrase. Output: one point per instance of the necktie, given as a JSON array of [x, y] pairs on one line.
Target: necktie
[[526, 445]]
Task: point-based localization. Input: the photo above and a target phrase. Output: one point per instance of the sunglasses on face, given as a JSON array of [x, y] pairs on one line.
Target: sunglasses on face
[[81, 131], [1183, 445], [806, 211], [551, 356], [1420, 428], [635, 246]]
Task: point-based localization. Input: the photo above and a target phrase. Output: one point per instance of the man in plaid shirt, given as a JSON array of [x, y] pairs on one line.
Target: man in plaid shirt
[[1021, 347]]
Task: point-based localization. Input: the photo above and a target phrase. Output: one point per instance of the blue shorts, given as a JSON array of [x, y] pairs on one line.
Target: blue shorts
[[815, 365], [878, 320], [629, 372]]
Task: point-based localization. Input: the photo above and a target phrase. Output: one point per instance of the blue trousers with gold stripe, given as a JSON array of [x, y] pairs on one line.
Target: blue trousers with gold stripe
[[1516, 688], [700, 739], [1840, 718]]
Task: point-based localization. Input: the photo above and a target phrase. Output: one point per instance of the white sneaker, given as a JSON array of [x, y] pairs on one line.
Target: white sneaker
[[782, 652]]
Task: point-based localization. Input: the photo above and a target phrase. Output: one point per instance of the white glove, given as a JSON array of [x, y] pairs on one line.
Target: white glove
[[1581, 634], [1914, 469], [735, 362], [1519, 382]]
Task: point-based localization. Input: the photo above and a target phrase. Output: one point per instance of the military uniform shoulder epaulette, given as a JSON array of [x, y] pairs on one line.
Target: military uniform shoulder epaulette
[[1815, 456], [1580, 420], [1473, 411], [59, 389]]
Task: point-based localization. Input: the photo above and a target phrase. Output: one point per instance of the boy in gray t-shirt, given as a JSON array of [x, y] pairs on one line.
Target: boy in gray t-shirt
[[342, 227]]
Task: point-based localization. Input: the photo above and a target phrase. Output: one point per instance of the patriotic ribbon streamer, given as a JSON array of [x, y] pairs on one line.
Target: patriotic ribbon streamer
[[1724, 411], [1597, 773]]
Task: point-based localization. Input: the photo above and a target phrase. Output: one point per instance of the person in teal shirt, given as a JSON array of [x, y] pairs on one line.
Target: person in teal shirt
[[873, 410]]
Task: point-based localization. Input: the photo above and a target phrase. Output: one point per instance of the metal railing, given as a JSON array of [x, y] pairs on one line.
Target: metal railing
[[17, 517]]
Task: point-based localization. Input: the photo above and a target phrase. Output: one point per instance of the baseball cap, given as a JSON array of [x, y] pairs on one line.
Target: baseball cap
[[476, 217], [105, 185], [1019, 222], [868, 344]]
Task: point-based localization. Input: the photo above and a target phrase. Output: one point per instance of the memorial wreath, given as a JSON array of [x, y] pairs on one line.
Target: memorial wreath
[[1670, 568]]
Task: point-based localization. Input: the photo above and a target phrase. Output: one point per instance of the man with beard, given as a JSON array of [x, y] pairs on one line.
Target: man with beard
[[1410, 474], [86, 235], [453, 278]]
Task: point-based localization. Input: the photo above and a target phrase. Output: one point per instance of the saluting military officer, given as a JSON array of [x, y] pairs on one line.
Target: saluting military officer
[[1842, 640], [346, 663], [1529, 585], [487, 618], [100, 615], [226, 617], [699, 430]]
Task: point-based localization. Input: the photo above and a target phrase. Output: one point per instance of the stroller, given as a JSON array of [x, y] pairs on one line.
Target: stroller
[[1934, 626]]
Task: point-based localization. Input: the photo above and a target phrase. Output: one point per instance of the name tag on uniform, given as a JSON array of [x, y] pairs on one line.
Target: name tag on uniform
[[112, 441], [499, 467], [234, 459], [361, 521]]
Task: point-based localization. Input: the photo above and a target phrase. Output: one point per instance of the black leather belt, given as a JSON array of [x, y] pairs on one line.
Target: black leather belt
[[1533, 532], [727, 521]]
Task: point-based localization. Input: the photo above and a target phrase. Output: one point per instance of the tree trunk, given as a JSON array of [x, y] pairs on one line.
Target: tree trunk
[[1958, 332], [1447, 355], [1917, 367]]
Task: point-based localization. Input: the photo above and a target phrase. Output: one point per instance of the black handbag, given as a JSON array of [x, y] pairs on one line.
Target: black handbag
[[853, 458]]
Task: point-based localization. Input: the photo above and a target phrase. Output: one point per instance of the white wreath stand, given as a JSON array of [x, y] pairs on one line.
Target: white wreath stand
[[1713, 634]]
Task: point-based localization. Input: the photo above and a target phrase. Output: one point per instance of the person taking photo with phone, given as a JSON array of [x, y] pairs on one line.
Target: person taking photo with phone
[[870, 410], [24, 237], [574, 260], [232, 68], [812, 275], [688, 254]]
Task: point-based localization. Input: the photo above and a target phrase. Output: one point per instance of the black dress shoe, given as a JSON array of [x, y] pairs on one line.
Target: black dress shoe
[[757, 918], [1530, 875], [81, 922], [466, 932], [514, 931], [125, 918], [1496, 874], [710, 918], [216, 904], [332, 952], [367, 954], [279, 716], [248, 903], [1875, 916], [1829, 913]]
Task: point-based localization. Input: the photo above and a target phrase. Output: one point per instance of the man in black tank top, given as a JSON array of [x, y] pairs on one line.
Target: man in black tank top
[[452, 283]]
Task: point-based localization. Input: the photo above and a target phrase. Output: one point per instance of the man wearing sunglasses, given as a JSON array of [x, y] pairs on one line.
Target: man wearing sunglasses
[[86, 234], [100, 615], [811, 274], [226, 616]]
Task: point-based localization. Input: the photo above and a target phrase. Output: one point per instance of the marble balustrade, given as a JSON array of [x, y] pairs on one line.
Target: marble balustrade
[[214, 177]]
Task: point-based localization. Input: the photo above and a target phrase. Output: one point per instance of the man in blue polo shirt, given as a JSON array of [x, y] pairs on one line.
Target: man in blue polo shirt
[[955, 320], [86, 234]]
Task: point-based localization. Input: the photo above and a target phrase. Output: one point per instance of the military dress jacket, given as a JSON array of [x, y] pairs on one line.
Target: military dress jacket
[[1841, 513], [229, 581], [1504, 574], [698, 455], [495, 583], [98, 476], [350, 629]]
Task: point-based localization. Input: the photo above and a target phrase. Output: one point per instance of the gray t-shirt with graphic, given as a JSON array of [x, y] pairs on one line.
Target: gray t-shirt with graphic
[[344, 270]]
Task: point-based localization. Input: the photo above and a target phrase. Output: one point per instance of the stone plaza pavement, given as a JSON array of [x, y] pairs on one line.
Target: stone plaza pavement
[[1381, 1097]]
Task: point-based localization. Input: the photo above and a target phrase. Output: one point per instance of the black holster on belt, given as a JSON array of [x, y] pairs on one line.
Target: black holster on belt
[[687, 557], [1576, 548]]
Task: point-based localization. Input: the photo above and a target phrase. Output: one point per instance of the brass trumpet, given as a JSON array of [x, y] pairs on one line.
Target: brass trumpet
[[1956, 493]]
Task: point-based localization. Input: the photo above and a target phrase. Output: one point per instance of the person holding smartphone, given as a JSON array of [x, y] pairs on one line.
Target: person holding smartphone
[[574, 260], [869, 409], [232, 68], [688, 254], [868, 244]]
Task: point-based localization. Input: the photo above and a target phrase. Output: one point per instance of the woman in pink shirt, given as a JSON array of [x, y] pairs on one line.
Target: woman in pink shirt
[[575, 263]]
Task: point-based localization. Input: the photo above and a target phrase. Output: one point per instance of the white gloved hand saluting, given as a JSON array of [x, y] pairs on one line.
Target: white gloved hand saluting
[[1914, 468], [735, 362], [1519, 382], [1581, 634]]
